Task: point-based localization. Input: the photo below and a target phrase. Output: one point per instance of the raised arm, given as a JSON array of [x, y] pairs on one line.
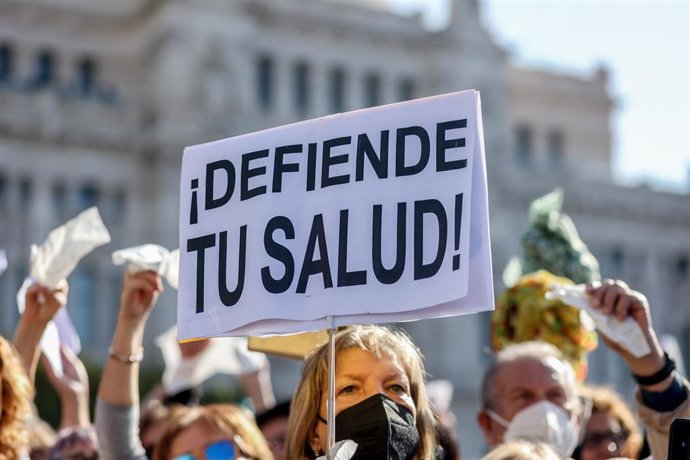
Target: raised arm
[[73, 390], [120, 380], [117, 410], [40, 307], [663, 394]]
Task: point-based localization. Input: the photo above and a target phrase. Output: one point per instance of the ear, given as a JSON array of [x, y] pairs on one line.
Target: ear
[[489, 429], [315, 441]]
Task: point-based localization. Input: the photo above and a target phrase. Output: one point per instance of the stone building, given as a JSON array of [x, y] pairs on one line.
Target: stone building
[[99, 99]]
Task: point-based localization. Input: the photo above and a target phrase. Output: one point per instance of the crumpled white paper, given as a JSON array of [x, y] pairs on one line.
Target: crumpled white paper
[[151, 257], [65, 246], [224, 355], [342, 450], [3, 261], [626, 333], [54, 261]]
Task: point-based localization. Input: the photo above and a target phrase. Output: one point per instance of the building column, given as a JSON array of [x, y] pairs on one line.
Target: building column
[[282, 89], [654, 288], [320, 90], [40, 212]]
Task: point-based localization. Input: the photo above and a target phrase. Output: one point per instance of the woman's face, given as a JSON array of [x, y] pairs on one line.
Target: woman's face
[[196, 438], [358, 376], [604, 437]]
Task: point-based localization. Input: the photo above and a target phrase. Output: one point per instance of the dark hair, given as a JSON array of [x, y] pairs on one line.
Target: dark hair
[[278, 411], [448, 443]]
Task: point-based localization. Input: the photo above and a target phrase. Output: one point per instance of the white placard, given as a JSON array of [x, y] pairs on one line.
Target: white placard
[[378, 215]]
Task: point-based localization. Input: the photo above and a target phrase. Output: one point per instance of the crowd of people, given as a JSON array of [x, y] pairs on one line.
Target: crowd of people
[[532, 405], [533, 402]]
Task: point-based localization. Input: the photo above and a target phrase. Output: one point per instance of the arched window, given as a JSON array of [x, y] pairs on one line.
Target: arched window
[[372, 90], [406, 89], [45, 69], [682, 267], [83, 299], [523, 144], [86, 76], [301, 87], [264, 81], [556, 147], [337, 90], [88, 196], [6, 62]]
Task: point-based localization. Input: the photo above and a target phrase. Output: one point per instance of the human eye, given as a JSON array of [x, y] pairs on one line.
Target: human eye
[[347, 390], [557, 397], [520, 395], [397, 388]]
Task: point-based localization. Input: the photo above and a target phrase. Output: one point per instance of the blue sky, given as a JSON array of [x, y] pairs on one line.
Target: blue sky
[[644, 43]]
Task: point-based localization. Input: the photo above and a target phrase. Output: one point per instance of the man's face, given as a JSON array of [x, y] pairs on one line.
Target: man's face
[[519, 384], [275, 432]]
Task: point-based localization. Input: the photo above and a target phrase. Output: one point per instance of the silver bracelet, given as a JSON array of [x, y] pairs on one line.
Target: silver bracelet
[[127, 359]]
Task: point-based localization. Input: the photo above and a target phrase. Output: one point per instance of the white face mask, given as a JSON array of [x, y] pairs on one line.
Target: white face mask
[[542, 422]]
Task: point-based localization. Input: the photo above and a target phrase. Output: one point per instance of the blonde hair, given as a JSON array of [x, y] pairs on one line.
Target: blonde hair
[[314, 382], [17, 394], [607, 401], [522, 450], [225, 417]]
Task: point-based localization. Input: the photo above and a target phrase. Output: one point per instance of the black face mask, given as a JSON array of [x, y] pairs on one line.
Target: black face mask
[[382, 429]]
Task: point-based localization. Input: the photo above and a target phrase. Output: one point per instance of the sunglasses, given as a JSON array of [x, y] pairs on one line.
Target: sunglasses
[[219, 450], [593, 440]]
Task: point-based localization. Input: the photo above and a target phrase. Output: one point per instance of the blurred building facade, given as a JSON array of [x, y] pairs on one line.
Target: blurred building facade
[[100, 98]]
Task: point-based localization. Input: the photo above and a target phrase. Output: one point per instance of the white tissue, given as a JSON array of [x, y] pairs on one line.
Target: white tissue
[[150, 257], [224, 355], [626, 333], [54, 261], [342, 450], [3, 261], [65, 246]]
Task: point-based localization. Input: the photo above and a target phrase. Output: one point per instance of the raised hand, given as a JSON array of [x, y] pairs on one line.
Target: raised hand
[[72, 387], [41, 303], [74, 381], [140, 292], [615, 298]]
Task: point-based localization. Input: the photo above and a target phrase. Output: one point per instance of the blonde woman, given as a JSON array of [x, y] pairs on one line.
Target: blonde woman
[[381, 402], [214, 432]]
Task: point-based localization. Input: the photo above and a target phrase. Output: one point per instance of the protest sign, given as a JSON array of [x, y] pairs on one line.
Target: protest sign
[[378, 215]]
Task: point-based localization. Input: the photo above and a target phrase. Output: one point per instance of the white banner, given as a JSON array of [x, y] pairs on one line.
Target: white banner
[[378, 215]]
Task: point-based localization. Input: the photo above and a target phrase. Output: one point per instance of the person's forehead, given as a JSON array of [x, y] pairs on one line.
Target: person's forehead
[[602, 422], [532, 373], [352, 359]]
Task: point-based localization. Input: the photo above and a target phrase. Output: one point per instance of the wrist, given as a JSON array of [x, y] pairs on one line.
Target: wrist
[[132, 322], [127, 358], [657, 375], [648, 364], [32, 324]]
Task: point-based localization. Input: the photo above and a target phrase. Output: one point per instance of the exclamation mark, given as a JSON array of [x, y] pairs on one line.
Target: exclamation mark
[[194, 213], [458, 227]]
